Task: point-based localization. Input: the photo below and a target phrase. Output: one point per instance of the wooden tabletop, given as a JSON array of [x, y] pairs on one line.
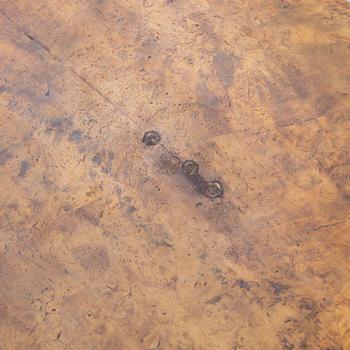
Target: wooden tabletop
[[106, 242]]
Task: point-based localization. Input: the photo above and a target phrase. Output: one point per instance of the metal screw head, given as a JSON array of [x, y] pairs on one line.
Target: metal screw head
[[190, 167], [214, 189], [151, 138]]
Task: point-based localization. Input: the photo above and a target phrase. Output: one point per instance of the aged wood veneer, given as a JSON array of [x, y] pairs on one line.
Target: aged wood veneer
[[104, 244]]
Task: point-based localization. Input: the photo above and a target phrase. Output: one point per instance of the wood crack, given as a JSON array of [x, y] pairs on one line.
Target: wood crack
[[327, 225]]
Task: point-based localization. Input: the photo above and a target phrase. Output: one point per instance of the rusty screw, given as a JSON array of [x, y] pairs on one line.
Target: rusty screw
[[151, 138], [214, 189], [211, 189], [190, 168]]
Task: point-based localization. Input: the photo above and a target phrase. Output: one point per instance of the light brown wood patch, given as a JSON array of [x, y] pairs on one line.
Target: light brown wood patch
[[104, 244]]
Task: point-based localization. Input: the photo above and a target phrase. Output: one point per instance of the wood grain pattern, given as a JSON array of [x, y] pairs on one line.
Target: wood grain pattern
[[104, 244]]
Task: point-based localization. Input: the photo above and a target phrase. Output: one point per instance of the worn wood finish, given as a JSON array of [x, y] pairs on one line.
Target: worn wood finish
[[104, 244]]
